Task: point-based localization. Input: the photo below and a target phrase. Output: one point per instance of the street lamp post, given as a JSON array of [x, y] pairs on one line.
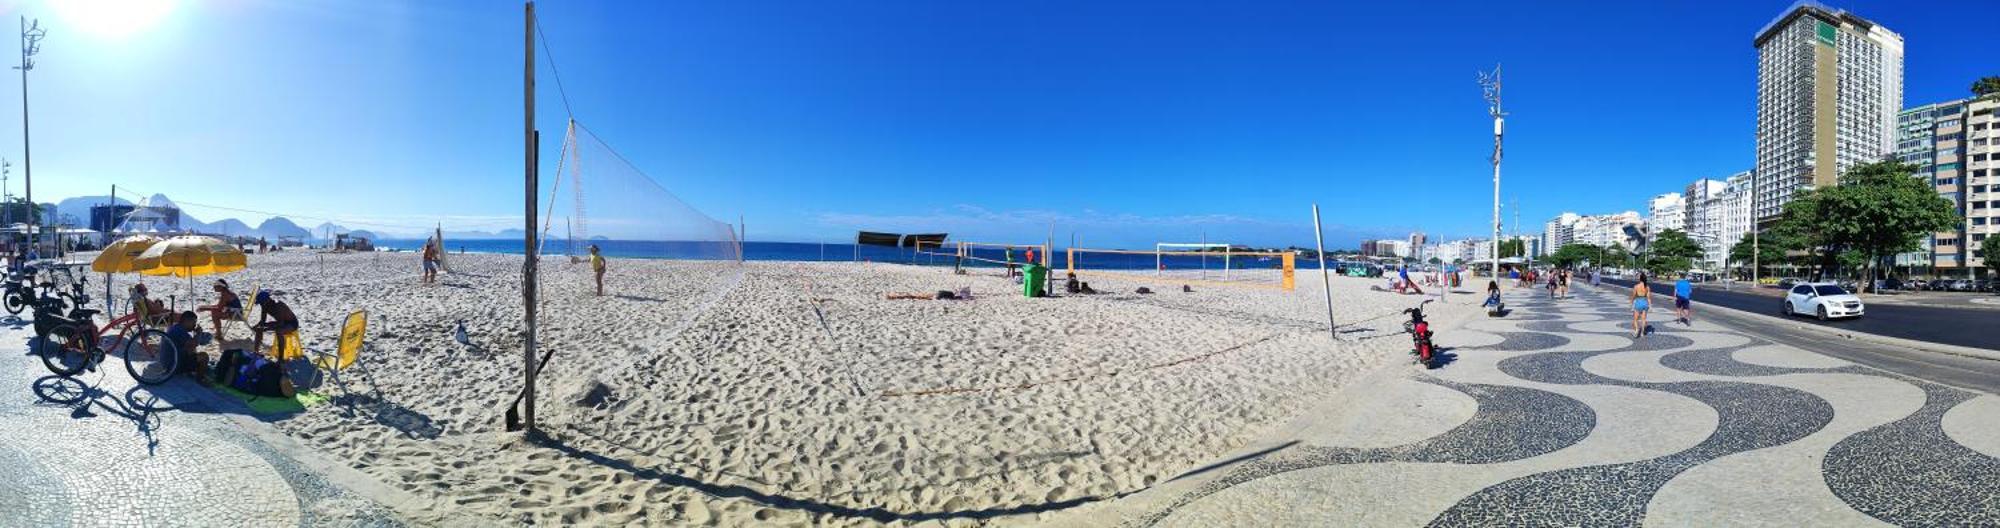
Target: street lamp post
[[31, 43], [1490, 85]]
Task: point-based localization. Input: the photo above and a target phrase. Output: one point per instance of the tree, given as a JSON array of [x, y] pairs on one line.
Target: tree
[[1571, 255], [1513, 248], [1879, 210], [1986, 85], [1989, 250], [1672, 251], [1769, 247], [1435, 260], [1614, 254]]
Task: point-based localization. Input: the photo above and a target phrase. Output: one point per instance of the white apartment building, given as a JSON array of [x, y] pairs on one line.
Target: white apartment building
[[1667, 211], [1982, 174], [1559, 231], [1955, 145], [1704, 220], [1605, 230], [1829, 86], [1733, 212]]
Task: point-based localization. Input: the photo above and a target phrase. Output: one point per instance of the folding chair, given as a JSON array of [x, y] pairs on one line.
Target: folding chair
[[353, 337], [242, 316]]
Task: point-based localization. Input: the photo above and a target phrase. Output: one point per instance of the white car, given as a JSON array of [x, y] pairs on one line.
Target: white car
[[1824, 300]]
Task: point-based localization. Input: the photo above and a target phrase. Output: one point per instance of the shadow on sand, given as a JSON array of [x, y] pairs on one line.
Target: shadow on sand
[[775, 500]]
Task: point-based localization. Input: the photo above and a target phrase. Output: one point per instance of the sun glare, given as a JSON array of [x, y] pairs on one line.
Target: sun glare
[[113, 19]]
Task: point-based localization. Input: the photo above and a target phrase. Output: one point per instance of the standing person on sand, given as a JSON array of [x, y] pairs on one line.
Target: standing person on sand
[[597, 268], [430, 261], [1641, 296]]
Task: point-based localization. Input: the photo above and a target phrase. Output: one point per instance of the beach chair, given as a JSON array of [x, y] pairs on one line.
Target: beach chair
[[242, 316], [353, 337]]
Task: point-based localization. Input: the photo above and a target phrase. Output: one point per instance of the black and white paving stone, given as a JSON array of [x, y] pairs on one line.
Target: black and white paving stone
[[1580, 424]]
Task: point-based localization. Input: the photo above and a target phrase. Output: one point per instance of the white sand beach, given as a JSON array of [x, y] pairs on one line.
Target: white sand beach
[[709, 393]]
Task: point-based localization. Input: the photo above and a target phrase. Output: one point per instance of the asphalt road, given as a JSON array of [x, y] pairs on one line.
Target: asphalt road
[[1963, 327]]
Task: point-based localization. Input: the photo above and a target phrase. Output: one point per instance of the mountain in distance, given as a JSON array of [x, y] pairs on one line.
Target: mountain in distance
[[504, 234], [363, 233], [327, 230], [225, 227], [278, 227], [79, 207]]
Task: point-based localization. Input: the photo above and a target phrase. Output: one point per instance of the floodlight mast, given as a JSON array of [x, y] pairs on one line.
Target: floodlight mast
[[1490, 85]]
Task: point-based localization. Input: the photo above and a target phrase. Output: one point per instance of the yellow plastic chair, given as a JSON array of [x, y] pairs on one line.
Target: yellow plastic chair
[[353, 336]]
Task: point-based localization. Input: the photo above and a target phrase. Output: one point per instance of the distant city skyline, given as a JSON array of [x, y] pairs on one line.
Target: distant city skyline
[[1127, 126]]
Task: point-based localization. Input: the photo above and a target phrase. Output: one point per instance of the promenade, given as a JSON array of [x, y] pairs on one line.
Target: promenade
[[1555, 415], [99, 450]]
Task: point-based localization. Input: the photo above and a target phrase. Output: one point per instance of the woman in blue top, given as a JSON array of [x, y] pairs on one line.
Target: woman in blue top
[[1640, 298]]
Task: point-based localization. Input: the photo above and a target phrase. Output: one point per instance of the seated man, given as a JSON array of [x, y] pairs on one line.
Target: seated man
[[227, 306], [275, 317], [152, 311], [186, 336]]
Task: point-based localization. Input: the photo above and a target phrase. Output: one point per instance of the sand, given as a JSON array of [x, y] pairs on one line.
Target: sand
[[711, 393]]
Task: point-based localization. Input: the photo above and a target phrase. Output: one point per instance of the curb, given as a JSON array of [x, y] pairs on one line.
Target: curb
[[402, 504], [1926, 346]]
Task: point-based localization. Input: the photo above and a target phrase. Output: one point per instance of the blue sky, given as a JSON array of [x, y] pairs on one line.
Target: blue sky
[[1123, 122]]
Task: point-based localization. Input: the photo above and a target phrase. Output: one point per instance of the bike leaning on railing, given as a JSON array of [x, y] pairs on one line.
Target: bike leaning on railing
[[74, 342]]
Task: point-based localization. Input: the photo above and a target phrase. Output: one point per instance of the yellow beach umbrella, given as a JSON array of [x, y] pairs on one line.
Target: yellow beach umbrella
[[190, 256], [122, 256]]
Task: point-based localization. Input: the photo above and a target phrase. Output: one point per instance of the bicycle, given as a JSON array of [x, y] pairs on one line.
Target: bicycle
[[77, 343]]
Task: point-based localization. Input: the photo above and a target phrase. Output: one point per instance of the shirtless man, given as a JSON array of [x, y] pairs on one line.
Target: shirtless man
[[275, 317]]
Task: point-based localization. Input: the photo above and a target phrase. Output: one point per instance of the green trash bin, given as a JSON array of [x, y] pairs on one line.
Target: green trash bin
[[1034, 281]]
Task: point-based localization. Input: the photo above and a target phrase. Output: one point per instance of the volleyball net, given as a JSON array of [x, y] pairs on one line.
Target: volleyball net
[[1178, 263], [970, 256]]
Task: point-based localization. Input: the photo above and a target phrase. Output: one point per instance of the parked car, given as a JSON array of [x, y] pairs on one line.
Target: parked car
[[1918, 285], [1824, 300], [1788, 282]]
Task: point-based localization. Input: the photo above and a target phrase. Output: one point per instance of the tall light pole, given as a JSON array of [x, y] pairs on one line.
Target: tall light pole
[[31, 43], [1490, 84]]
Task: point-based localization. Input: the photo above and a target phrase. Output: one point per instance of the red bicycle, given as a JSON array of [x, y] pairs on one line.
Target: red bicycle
[[78, 343]]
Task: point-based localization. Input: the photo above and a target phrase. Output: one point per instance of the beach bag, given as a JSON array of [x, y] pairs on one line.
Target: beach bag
[[246, 373], [225, 368]]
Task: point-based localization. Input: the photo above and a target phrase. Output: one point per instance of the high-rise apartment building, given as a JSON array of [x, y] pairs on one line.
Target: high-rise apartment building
[[1955, 145], [1982, 155], [1829, 86]]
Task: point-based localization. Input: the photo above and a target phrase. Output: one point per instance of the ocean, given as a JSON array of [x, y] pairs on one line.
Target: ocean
[[811, 252]]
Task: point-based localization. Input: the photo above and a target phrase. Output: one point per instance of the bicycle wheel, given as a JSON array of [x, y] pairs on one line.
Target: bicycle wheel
[[64, 350], [150, 357], [16, 302]]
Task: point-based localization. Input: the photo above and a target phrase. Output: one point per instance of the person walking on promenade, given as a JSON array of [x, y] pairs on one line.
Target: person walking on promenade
[[1641, 297], [597, 268], [1683, 291]]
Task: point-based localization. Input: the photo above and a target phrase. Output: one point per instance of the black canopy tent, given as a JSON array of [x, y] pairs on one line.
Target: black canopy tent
[[896, 240]]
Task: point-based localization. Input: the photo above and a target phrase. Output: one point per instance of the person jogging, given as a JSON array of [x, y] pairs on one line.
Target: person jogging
[[1683, 291]]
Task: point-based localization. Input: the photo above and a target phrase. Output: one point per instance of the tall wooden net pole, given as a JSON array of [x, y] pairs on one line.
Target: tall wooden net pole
[[531, 141]]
